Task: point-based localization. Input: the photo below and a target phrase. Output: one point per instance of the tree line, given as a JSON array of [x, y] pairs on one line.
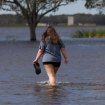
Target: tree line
[[58, 20], [11, 20], [89, 19]]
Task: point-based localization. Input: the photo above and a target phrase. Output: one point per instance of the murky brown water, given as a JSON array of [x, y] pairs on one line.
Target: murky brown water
[[81, 82]]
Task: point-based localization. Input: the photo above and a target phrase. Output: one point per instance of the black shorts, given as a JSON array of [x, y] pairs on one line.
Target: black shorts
[[55, 64]]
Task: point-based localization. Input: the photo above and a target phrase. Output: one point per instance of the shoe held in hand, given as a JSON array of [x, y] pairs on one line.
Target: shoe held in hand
[[37, 68]]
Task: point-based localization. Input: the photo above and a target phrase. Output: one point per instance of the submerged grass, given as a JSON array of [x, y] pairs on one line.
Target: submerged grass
[[89, 34]]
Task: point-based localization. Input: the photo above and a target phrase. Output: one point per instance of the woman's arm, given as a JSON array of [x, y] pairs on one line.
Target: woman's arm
[[64, 53], [38, 55]]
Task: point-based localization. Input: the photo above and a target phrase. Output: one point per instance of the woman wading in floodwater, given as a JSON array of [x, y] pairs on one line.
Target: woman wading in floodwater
[[51, 47]]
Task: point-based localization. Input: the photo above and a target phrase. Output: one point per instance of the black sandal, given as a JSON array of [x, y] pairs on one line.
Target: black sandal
[[37, 68]]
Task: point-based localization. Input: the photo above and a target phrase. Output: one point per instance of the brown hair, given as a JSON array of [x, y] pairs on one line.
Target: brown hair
[[54, 37]]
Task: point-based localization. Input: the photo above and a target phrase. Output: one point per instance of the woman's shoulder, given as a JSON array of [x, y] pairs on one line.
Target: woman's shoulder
[[61, 43]]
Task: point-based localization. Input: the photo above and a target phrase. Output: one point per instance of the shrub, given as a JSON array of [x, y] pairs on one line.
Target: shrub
[[89, 34]]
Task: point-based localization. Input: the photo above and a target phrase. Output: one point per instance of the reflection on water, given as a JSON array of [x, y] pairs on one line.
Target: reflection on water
[[49, 95], [63, 94], [70, 94]]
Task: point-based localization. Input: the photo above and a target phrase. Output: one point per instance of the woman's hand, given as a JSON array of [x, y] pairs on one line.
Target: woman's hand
[[35, 61], [63, 50], [38, 55]]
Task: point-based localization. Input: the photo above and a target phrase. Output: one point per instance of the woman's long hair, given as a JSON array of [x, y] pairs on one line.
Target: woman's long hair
[[54, 37]]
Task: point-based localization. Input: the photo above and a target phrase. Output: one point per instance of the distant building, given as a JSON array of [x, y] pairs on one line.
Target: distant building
[[42, 24], [70, 20]]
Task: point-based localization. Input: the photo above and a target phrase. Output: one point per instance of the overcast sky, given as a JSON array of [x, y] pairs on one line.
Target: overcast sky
[[73, 8], [77, 7]]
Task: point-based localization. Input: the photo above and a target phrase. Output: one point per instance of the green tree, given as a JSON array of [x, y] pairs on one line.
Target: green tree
[[33, 10]]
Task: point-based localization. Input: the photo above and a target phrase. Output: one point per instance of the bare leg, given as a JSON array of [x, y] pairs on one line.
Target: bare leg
[[55, 71], [51, 74]]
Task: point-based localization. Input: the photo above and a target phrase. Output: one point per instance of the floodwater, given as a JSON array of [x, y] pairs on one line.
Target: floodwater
[[80, 82], [23, 34]]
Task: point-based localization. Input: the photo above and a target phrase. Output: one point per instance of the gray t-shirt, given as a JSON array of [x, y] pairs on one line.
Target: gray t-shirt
[[51, 51]]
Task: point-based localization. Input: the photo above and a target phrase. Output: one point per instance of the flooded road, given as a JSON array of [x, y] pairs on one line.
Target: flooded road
[[81, 82]]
